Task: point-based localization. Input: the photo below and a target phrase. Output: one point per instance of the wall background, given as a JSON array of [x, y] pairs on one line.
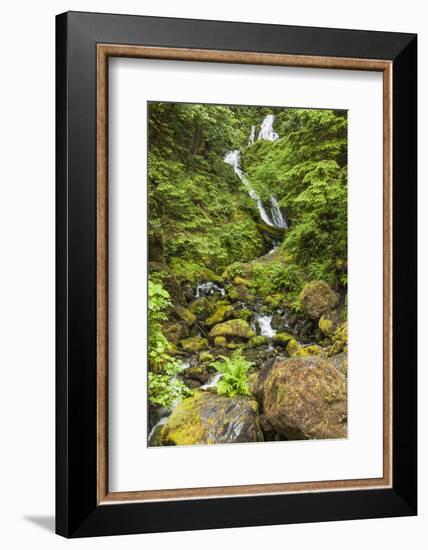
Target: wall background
[[27, 242]]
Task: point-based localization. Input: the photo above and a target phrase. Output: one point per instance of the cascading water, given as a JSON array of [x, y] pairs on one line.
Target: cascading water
[[264, 322], [266, 129], [233, 158], [208, 289]]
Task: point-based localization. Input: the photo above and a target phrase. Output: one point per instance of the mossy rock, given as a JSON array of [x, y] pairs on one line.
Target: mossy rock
[[221, 313], [340, 340], [173, 332], [206, 357], [201, 308], [199, 374], [340, 361], [326, 326], [281, 339], [257, 341], [233, 345], [195, 343], [241, 281], [313, 349], [235, 328], [184, 314], [220, 342], [317, 299], [245, 314], [306, 398], [294, 349], [206, 418], [277, 322], [239, 293]]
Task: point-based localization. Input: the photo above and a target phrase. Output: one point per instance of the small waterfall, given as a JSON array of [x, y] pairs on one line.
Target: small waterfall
[[208, 289], [264, 322], [212, 382], [277, 217], [233, 158], [252, 135], [266, 129]]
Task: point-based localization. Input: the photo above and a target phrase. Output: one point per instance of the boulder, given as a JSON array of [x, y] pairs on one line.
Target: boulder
[[220, 342], [317, 299], [340, 340], [206, 357], [257, 341], [277, 322], [184, 314], [221, 313], [195, 343], [206, 418], [235, 328], [199, 374], [306, 398], [201, 308], [294, 349], [173, 332], [281, 339], [326, 325], [340, 361]]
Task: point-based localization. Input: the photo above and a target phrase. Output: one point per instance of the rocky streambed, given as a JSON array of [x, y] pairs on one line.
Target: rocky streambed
[[298, 381]]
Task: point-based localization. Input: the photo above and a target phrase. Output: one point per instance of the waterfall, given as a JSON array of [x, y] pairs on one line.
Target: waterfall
[[233, 158], [264, 322], [266, 129], [277, 217]]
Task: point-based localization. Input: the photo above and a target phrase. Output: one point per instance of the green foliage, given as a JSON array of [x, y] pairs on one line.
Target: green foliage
[[235, 370], [163, 386], [277, 276]]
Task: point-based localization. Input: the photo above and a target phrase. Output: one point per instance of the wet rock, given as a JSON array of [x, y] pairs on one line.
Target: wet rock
[[317, 299], [306, 398], [235, 328], [196, 373], [206, 418], [277, 322]]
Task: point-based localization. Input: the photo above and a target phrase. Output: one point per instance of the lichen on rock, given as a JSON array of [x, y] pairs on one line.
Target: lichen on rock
[[317, 299]]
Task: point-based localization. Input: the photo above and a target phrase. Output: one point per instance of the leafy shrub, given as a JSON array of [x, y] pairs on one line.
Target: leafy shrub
[[234, 369], [163, 386]]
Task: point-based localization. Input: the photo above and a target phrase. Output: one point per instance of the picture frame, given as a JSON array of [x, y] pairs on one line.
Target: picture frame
[[84, 44]]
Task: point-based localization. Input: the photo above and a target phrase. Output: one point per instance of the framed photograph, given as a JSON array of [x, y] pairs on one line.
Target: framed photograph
[[236, 274]]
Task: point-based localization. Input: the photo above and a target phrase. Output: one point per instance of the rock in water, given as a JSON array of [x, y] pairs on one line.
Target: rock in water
[[306, 398], [317, 299], [206, 418]]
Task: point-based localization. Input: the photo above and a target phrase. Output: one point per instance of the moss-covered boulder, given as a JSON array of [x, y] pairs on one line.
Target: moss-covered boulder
[[257, 341], [173, 332], [235, 328], [206, 418], [317, 299], [220, 342], [220, 314], [294, 349], [306, 398], [340, 340], [194, 343], [326, 325], [206, 357], [201, 308], [184, 314], [281, 339]]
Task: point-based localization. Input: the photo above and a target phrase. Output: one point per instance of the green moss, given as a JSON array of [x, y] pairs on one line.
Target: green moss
[[241, 281], [294, 349], [184, 426], [245, 314], [282, 339], [221, 313], [205, 357], [257, 341], [184, 314], [172, 332], [326, 326], [195, 343], [200, 306], [275, 301], [235, 328], [220, 342]]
